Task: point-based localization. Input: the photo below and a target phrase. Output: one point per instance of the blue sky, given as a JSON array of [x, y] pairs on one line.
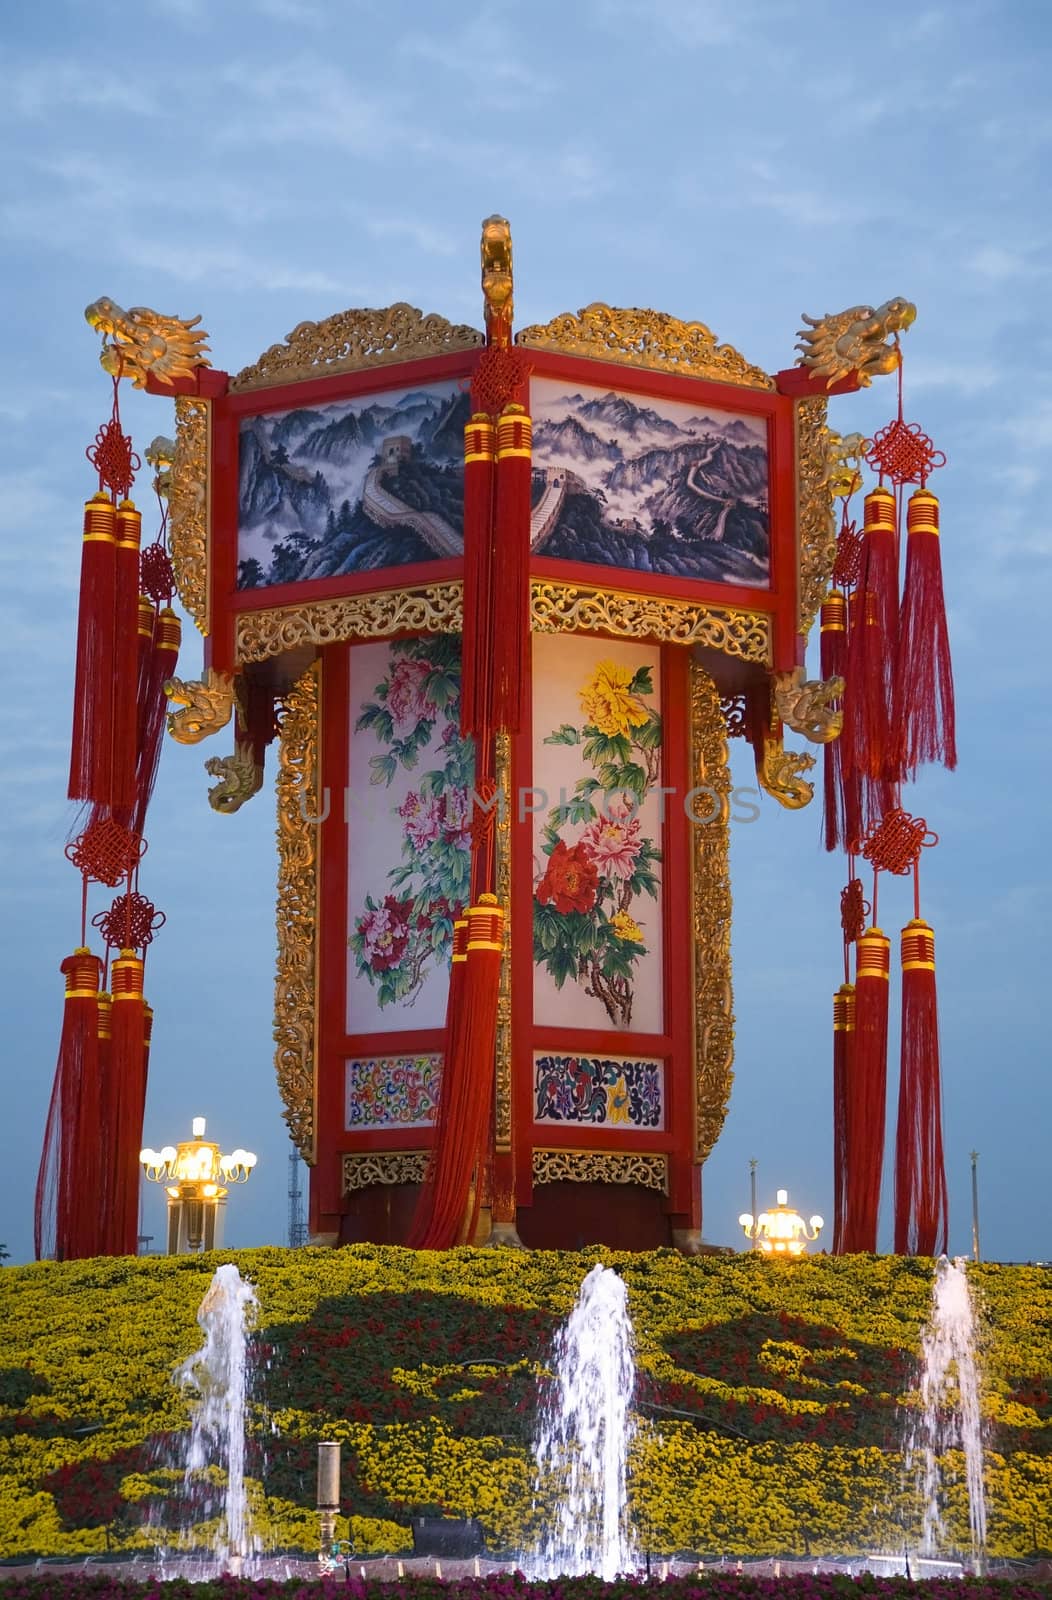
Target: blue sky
[[739, 161]]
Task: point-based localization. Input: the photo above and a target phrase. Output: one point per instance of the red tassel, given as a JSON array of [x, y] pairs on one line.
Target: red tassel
[[921, 1208], [925, 714], [843, 1041], [476, 717], [146, 616], [448, 1206], [65, 1182], [125, 681], [121, 1136], [102, 1219], [90, 756], [833, 637], [869, 752], [866, 1092], [511, 567], [166, 634]]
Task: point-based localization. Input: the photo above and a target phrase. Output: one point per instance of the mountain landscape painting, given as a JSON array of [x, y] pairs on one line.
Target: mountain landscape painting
[[353, 486], [656, 486]]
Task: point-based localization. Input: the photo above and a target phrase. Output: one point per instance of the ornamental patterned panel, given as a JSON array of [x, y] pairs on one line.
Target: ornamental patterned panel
[[600, 1091], [391, 1091]]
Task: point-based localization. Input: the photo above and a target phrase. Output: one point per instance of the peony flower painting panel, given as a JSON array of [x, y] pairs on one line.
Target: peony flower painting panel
[[597, 893], [653, 485], [408, 817]]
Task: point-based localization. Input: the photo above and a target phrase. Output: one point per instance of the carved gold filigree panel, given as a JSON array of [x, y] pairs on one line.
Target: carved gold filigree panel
[[601, 1166], [386, 1166], [355, 339], [555, 608], [637, 338], [296, 987], [188, 507], [434, 609], [711, 917], [815, 519], [502, 1100], [569, 608]]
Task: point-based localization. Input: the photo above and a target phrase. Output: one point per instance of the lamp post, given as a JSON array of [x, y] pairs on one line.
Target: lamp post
[[195, 1175], [780, 1231]]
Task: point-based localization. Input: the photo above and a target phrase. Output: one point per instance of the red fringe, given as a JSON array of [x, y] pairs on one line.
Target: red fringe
[[447, 1204], [476, 715], [921, 1206], [125, 681], [153, 709], [843, 1041], [68, 1173], [866, 1094], [869, 753], [511, 568], [90, 754], [121, 1132], [925, 713]]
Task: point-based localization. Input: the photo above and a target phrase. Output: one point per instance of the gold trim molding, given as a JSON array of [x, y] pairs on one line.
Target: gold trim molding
[[435, 609], [188, 507], [296, 983], [502, 1087], [566, 608], [601, 1166], [711, 918], [387, 1166], [652, 339], [554, 608], [351, 341], [815, 518]]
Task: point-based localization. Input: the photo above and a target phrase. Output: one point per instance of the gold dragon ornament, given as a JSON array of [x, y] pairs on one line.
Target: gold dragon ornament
[[141, 343], [497, 283], [806, 705], [779, 772], [207, 706], [843, 466], [240, 775], [855, 341], [160, 454]]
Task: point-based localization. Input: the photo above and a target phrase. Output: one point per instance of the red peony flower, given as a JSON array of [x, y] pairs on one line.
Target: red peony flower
[[570, 881]]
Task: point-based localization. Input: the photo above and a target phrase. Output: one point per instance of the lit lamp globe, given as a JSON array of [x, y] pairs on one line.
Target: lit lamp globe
[[195, 1174], [781, 1231]]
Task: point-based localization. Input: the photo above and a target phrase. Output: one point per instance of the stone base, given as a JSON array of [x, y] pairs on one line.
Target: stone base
[[690, 1242], [504, 1236]]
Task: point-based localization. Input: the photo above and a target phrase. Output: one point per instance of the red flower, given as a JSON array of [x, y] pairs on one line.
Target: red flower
[[570, 881]]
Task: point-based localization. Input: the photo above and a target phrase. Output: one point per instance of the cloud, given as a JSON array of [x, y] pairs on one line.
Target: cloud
[[686, 24], [430, 241], [998, 264], [39, 90], [488, 53]]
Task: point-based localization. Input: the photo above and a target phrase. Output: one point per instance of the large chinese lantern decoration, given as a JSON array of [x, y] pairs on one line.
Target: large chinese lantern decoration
[[501, 598]]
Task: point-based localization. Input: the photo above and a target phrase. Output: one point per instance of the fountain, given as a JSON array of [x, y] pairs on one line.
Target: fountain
[[949, 1415], [220, 1371], [585, 1431]]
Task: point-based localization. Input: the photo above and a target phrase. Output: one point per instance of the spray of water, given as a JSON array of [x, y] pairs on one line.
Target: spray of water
[[219, 1371], [586, 1427], [949, 1416]]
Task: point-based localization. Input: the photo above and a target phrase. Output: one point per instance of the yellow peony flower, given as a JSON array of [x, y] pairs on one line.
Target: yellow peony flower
[[625, 928], [607, 703]]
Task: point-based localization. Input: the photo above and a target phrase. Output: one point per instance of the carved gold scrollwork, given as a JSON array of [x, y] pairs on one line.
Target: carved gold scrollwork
[[295, 995], [435, 609], [711, 917], [567, 608], [600, 1166], [639, 338], [352, 340], [386, 1166], [815, 520], [188, 507], [502, 1104]]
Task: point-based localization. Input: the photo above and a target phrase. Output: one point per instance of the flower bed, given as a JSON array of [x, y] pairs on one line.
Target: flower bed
[[773, 1398]]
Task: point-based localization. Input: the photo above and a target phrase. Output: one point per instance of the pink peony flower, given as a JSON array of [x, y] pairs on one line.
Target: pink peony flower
[[422, 815], [407, 697], [385, 933], [457, 818], [613, 844]]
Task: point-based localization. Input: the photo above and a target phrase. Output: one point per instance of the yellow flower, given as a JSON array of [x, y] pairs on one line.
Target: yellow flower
[[607, 703], [625, 928]]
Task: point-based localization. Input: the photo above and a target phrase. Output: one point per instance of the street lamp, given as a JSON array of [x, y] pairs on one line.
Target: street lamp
[[782, 1231], [195, 1175]]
